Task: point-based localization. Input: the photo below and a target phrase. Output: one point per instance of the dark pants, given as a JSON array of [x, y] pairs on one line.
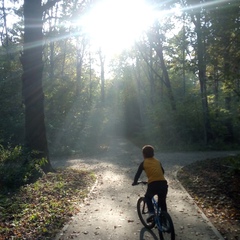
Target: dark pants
[[159, 188]]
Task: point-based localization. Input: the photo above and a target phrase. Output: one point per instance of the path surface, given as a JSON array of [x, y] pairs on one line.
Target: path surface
[[110, 210]]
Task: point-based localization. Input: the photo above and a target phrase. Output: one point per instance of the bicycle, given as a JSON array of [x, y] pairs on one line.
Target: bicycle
[[162, 220]]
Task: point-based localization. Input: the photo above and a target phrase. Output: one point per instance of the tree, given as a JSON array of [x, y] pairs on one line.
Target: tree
[[102, 62], [159, 50], [32, 90], [198, 17], [202, 74], [195, 69], [223, 54]]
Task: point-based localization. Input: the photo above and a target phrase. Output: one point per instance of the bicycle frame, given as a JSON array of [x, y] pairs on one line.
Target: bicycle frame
[[157, 214]]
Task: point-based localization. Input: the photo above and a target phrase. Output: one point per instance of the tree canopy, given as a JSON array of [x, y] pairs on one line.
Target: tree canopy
[[178, 84]]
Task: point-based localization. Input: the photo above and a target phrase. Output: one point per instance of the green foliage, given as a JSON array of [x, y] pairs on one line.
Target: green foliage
[[11, 121], [79, 132], [18, 167], [137, 100]]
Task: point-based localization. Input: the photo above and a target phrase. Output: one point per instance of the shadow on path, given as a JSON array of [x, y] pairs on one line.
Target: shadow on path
[[146, 233]]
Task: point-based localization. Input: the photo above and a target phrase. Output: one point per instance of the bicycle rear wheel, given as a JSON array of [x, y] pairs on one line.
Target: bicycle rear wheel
[[142, 210], [167, 232]]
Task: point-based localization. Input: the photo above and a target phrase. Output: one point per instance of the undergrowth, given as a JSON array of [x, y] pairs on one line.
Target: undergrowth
[[35, 205], [39, 210], [18, 166]]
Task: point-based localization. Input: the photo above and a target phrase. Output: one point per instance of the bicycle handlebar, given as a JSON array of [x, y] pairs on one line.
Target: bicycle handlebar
[[139, 182]]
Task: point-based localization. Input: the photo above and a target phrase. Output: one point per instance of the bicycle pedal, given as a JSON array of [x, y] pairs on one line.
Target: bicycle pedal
[[150, 219]]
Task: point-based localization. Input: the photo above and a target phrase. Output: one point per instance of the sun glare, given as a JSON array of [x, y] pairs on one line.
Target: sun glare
[[114, 25]]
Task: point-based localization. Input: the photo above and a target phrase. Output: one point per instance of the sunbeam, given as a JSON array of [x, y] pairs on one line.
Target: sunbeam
[[115, 25]]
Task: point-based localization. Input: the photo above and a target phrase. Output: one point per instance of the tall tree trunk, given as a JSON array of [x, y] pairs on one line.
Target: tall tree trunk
[[156, 42], [32, 91], [228, 99], [64, 57], [102, 61], [184, 56], [229, 138], [52, 62], [159, 51], [90, 78], [202, 77], [81, 46], [79, 61], [150, 73], [139, 90], [216, 90], [52, 31]]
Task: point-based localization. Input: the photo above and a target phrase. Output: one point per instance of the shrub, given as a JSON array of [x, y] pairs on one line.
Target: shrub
[[18, 166]]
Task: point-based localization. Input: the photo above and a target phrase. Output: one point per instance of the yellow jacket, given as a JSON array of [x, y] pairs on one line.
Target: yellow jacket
[[153, 169]]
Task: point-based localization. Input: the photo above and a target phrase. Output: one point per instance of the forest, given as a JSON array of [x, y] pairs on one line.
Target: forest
[[178, 86], [69, 86]]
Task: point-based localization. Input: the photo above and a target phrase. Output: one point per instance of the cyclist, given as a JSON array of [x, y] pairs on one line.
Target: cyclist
[[157, 184]]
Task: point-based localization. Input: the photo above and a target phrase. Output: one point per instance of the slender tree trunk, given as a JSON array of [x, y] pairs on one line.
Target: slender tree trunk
[[52, 31], [64, 57], [216, 90], [90, 78], [155, 39], [102, 60], [79, 72], [52, 62], [32, 91], [184, 56], [228, 98], [159, 50], [228, 122], [81, 46], [151, 78], [139, 90], [202, 77]]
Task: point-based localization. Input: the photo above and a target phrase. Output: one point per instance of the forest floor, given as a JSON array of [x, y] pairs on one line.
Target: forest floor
[[40, 209], [214, 186]]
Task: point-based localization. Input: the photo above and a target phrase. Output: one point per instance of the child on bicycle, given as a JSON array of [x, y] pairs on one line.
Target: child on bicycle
[[157, 184]]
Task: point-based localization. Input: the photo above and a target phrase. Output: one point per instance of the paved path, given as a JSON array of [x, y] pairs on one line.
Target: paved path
[[110, 210]]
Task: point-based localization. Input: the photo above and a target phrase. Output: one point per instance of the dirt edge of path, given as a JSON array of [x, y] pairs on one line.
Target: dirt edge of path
[[218, 234]]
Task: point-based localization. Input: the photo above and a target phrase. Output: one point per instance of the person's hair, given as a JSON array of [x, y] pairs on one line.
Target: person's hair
[[148, 151]]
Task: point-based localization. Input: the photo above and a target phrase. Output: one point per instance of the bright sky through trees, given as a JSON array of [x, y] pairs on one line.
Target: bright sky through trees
[[115, 25]]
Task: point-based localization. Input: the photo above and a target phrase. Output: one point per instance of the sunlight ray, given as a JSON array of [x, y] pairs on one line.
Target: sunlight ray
[[207, 4], [115, 25]]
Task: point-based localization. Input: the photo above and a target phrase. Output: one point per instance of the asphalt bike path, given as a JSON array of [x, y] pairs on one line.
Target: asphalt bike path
[[110, 210]]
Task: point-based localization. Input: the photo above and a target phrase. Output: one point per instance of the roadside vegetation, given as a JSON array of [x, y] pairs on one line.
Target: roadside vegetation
[[214, 185], [38, 210]]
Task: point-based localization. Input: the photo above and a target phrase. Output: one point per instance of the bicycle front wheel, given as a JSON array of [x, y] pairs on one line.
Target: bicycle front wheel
[[142, 210], [167, 232]]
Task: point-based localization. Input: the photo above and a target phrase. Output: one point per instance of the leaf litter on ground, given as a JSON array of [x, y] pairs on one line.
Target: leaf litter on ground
[[214, 185], [39, 210]]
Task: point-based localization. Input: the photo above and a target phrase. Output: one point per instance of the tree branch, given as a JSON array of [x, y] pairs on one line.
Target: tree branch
[[49, 4], [145, 59]]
